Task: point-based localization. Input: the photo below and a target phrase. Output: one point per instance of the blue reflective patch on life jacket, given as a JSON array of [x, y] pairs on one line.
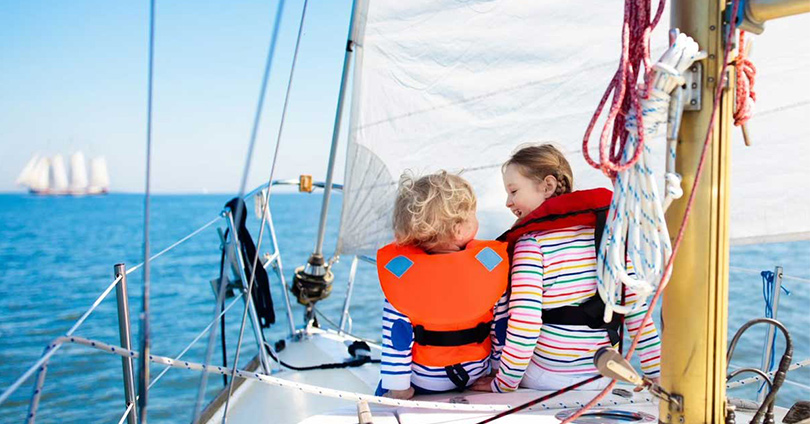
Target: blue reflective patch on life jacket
[[489, 258], [399, 265], [401, 334]]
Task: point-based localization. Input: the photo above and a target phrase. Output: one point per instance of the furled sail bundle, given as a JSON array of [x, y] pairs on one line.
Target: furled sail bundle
[[511, 72]]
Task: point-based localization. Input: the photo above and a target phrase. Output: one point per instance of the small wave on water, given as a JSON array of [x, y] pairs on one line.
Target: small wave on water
[[60, 258]]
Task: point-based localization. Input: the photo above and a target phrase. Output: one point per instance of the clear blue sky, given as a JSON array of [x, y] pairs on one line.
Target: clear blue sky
[[73, 77]]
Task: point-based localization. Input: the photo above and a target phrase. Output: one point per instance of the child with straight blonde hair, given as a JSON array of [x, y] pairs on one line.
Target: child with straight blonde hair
[[440, 286], [555, 315]]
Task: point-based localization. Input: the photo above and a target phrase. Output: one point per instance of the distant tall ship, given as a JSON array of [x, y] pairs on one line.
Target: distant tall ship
[[49, 176]]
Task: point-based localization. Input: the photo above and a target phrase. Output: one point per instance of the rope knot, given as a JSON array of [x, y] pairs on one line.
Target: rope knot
[[746, 76]]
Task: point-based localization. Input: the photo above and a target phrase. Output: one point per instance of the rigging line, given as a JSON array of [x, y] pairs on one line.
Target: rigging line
[[738, 383], [196, 339], [754, 271], [143, 390], [209, 350], [803, 280], [372, 343], [266, 206], [126, 413], [327, 392], [268, 64], [803, 386], [175, 244], [47, 355], [90, 310], [770, 374]]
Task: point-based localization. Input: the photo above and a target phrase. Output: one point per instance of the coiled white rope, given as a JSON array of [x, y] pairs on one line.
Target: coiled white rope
[[743, 382], [636, 229], [340, 394]]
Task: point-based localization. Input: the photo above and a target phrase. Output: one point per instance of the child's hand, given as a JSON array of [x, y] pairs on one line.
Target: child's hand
[[483, 384], [400, 394]]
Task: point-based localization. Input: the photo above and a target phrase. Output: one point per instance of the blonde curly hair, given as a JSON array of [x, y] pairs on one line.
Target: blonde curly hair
[[427, 208]]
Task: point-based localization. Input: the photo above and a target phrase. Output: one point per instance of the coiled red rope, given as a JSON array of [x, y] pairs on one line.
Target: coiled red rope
[[746, 77], [635, 54]]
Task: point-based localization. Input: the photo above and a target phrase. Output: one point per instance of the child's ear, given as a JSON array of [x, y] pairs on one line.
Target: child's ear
[[550, 184], [457, 232]]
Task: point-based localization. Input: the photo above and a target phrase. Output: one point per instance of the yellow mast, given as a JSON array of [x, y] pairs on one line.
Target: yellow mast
[[695, 303]]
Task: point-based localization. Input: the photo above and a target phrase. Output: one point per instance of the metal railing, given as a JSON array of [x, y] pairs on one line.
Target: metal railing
[[119, 283]]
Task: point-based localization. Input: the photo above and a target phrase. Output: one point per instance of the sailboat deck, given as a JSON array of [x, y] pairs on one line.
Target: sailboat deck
[[253, 401]]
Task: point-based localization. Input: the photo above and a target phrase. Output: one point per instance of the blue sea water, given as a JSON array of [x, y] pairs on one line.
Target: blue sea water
[[57, 255]]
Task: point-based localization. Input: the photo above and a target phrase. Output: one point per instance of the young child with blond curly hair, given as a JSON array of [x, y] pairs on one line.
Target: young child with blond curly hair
[[440, 286]]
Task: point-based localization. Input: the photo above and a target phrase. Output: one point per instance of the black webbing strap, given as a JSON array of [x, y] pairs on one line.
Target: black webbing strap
[[458, 375], [591, 312], [477, 334]]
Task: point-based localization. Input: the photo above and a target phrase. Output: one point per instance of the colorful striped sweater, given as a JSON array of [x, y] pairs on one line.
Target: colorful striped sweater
[[551, 269], [397, 369]]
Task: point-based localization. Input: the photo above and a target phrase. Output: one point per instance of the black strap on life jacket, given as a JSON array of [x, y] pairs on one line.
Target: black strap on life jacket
[[592, 311], [458, 375], [477, 334], [262, 299]]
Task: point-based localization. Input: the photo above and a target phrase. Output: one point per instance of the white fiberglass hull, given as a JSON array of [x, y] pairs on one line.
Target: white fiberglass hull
[[254, 401]]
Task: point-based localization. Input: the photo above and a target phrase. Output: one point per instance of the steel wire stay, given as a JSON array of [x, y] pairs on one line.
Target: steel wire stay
[[254, 131], [756, 271], [49, 353]]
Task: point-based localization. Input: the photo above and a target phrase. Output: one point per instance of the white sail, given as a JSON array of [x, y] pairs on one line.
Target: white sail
[[505, 73], [78, 173], [25, 177], [59, 173], [511, 72], [770, 180], [40, 179], [99, 177]]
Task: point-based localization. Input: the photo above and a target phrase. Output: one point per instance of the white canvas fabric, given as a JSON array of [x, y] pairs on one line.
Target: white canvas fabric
[[458, 85], [770, 180]]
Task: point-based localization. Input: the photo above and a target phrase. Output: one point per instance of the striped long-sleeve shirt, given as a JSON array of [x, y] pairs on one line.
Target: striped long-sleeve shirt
[[398, 371], [551, 269]]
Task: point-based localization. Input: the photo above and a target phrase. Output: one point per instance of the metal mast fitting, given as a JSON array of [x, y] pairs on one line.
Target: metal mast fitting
[[756, 12], [313, 281]]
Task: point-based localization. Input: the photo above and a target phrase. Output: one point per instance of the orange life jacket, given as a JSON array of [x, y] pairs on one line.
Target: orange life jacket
[[448, 297]]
